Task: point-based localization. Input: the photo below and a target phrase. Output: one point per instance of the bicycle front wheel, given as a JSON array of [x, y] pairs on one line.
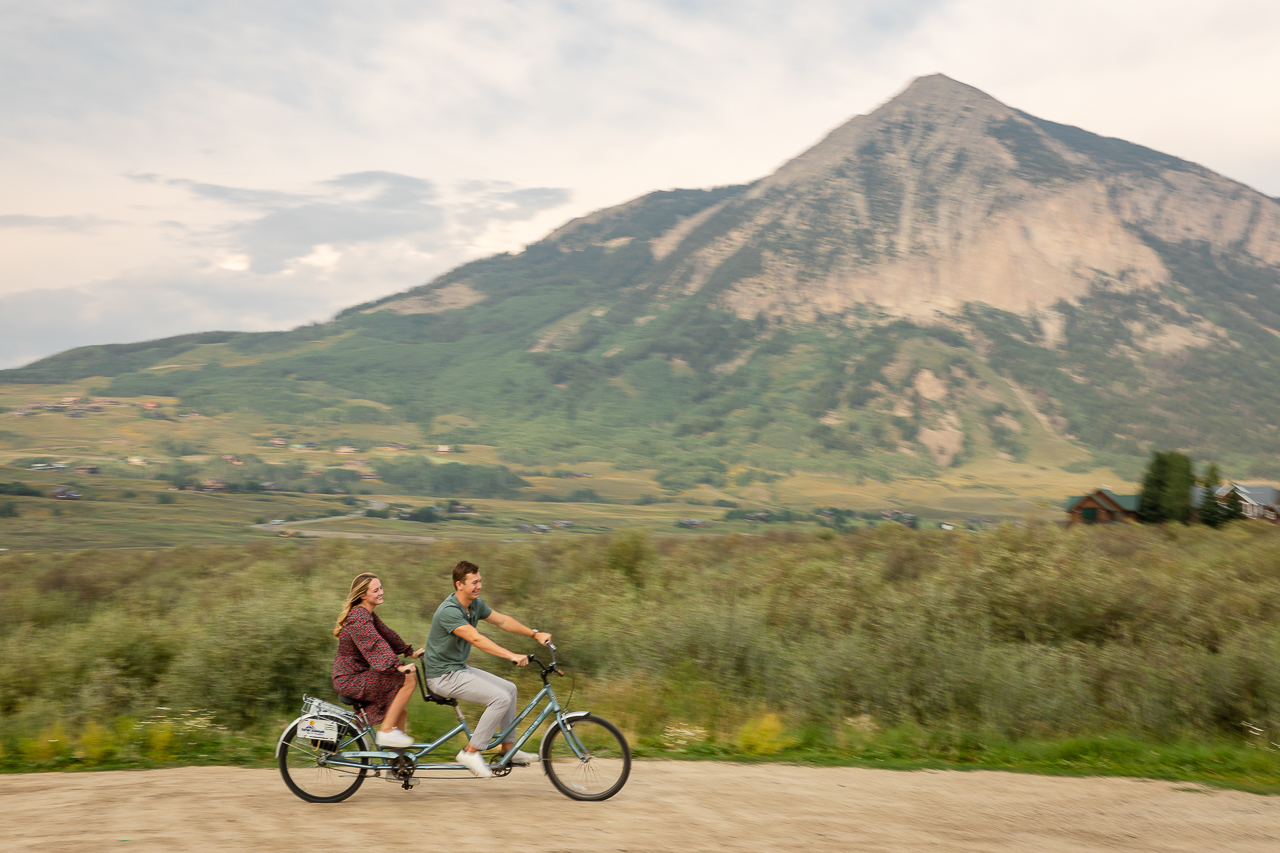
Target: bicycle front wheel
[[303, 764], [590, 761]]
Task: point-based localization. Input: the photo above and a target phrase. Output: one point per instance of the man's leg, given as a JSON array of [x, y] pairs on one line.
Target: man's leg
[[482, 688]]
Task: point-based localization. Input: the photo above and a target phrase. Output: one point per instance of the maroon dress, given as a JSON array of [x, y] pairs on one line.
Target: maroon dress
[[365, 667]]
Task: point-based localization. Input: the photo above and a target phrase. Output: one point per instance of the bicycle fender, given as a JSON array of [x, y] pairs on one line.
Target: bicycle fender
[[288, 728], [568, 718]]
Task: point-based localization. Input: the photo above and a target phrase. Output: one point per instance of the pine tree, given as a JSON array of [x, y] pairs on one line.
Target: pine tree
[[1210, 511], [1153, 482], [1175, 500], [1235, 508]]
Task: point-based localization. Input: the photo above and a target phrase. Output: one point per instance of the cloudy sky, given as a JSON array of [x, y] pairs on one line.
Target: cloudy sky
[[169, 166]]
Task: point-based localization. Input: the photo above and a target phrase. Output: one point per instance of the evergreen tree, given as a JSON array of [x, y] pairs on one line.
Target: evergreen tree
[[1234, 509], [1212, 479], [1175, 500], [1210, 511], [1153, 482]]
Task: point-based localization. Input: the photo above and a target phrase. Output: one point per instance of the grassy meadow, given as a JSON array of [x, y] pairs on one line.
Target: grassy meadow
[[1130, 650]]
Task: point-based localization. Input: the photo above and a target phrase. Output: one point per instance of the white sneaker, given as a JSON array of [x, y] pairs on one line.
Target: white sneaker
[[475, 762], [395, 739], [523, 759]]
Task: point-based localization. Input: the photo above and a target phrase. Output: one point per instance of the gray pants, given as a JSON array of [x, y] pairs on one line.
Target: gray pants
[[483, 688]]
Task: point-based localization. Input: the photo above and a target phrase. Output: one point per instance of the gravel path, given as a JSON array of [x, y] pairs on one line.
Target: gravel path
[[667, 805]]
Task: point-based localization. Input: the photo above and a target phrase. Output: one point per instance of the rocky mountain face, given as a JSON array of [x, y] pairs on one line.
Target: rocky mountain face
[[944, 197], [941, 281]]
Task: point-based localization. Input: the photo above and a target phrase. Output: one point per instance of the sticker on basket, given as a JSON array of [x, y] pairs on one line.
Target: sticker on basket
[[316, 729]]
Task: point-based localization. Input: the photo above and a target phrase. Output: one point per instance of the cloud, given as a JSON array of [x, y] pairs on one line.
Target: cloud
[[53, 223], [364, 207], [285, 257]]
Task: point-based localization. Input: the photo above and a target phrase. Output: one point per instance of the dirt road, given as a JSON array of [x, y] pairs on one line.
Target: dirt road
[[667, 805]]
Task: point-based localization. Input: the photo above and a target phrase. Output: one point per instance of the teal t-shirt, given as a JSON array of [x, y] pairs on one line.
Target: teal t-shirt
[[446, 651]]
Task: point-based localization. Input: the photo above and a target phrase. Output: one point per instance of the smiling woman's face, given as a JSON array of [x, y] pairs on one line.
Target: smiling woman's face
[[373, 595]]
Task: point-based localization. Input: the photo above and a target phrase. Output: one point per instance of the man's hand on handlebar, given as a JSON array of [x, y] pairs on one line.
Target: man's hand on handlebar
[[520, 660], [542, 638]]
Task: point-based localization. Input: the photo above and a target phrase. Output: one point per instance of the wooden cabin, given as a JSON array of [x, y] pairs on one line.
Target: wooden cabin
[[1102, 506]]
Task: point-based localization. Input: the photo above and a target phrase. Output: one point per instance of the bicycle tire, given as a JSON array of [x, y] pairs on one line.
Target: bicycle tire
[[597, 776], [299, 761]]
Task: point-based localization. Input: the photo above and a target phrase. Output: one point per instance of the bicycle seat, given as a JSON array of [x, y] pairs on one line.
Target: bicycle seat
[[433, 696], [357, 704]]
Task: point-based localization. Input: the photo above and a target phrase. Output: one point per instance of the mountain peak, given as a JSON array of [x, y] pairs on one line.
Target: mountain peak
[[934, 103]]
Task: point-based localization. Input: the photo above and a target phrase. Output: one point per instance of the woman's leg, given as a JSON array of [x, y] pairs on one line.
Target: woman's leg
[[398, 714]]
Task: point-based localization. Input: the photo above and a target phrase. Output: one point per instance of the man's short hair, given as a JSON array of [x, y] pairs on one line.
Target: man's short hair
[[463, 569]]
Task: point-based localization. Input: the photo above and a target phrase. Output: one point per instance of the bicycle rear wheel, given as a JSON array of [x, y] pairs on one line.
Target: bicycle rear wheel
[[590, 762], [302, 764]]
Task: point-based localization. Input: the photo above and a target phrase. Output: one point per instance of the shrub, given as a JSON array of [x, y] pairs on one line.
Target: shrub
[[764, 735]]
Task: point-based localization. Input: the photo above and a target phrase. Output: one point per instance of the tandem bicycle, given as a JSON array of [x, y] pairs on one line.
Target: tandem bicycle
[[328, 751]]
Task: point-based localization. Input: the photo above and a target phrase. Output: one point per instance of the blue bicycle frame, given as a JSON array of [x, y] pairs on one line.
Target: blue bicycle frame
[[350, 758]]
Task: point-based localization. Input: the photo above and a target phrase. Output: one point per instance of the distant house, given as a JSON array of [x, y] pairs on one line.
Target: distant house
[[346, 448], [1259, 502], [578, 475], [64, 494], [444, 448], [234, 460], [278, 442], [214, 484], [1102, 506], [150, 404], [690, 522], [86, 469], [270, 486], [136, 460], [368, 475], [395, 446], [457, 507]]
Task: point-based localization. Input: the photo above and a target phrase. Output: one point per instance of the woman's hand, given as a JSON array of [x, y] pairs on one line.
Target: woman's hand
[[407, 668], [419, 653]]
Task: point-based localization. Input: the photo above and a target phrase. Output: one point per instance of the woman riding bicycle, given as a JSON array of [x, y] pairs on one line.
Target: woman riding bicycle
[[367, 666]]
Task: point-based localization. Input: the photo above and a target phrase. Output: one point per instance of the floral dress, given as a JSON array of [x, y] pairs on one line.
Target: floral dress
[[365, 666]]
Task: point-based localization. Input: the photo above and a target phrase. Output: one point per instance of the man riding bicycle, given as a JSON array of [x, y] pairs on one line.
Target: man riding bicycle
[[453, 633]]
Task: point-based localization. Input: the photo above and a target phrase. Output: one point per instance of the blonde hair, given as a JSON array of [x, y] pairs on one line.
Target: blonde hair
[[359, 587]]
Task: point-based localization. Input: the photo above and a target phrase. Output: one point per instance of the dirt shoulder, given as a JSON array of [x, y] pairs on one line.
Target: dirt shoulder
[[667, 805]]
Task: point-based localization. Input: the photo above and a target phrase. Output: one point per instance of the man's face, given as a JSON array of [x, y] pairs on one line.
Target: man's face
[[469, 586]]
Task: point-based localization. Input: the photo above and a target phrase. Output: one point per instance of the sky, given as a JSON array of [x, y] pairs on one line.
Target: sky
[[170, 166]]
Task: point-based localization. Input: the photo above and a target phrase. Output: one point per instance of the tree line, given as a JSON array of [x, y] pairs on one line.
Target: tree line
[[1167, 492]]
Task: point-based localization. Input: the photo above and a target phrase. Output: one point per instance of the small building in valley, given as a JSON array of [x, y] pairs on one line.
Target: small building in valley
[[1102, 506]]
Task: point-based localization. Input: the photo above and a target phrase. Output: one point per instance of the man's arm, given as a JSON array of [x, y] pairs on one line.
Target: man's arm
[[512, 626], [484, 644]]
